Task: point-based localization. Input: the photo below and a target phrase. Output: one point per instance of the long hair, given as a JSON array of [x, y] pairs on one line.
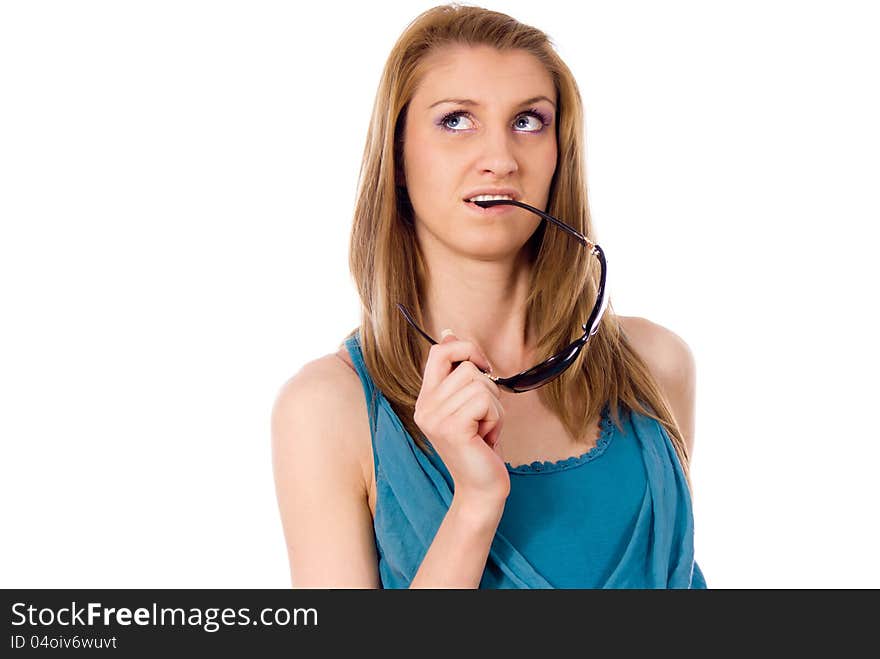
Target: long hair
[[387, 265]]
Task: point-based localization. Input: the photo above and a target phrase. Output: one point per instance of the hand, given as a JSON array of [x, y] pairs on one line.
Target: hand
[[460, 412]]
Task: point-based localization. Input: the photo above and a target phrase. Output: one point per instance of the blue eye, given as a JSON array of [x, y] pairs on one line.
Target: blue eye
[[449, 117], [543, 120]]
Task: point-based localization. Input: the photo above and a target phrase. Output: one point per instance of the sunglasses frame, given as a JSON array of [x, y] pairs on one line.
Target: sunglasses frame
[[554, 366]]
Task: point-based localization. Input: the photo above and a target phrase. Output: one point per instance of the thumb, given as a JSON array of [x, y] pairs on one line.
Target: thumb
[[447, 336]]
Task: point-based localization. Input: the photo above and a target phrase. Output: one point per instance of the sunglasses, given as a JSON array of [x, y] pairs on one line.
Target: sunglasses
[[554, 366]]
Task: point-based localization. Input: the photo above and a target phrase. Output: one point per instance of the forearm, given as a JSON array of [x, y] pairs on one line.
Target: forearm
[[457, 556]]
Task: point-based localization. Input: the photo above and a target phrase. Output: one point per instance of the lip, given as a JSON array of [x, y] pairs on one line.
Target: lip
[[498, 209], [492, 191]]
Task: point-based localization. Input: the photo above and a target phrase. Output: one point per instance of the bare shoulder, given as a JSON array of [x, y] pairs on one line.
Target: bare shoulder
[[319, 458], [671, 362], [331, 375], [325, 398], [666, 353]]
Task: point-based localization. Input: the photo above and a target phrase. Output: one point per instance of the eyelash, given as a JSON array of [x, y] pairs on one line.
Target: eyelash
[[545, 120]]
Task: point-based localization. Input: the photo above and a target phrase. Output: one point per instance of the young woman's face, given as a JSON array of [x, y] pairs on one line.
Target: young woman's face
[[504, 137]]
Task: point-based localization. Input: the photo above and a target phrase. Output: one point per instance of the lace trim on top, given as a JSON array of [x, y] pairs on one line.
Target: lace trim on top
[[549, 466]]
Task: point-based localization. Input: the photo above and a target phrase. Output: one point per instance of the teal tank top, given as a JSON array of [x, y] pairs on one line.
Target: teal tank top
[[618, 516]]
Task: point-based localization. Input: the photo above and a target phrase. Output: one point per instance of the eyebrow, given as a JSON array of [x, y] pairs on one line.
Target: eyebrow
[[467, 101]]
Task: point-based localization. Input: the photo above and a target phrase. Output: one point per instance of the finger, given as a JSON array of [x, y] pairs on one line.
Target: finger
[[459, 398], [446, 418], [493, 435], [461, 377], [466, 421], [442, 356], [454, 391], [482, 360], [491, 430]]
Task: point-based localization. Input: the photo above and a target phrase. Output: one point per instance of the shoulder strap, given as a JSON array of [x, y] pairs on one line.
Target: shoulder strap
[[353, 345]]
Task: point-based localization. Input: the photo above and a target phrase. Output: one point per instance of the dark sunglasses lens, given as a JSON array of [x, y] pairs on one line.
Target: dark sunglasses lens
[[548, 369], [537, 378]]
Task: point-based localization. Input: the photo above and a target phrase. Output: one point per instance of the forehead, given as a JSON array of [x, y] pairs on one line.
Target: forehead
[[484, 74]]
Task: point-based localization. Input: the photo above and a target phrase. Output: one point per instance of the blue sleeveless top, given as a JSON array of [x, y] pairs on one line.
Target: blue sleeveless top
[[618, 516]]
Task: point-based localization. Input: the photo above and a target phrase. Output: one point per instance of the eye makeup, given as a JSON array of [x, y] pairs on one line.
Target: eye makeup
[[535, 112]]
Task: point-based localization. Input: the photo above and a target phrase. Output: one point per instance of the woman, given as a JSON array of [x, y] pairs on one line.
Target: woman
[[401, 464]]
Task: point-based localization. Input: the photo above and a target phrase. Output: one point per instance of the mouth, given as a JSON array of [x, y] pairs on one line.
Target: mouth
[[496, 208], [490, 206]]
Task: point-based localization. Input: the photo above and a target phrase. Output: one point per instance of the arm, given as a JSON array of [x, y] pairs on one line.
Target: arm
[[457, 555], [319, 480], [322, 492]]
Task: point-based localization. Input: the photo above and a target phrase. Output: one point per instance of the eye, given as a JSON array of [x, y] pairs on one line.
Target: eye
[[539, 120], [446, 123]]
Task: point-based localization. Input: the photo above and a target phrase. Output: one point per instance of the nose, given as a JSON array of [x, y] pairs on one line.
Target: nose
[[497, 152]]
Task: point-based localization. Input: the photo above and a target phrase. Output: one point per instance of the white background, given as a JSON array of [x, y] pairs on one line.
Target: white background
[[177, 182]]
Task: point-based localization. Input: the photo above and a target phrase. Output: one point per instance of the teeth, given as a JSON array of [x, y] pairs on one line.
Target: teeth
[[490, 197]]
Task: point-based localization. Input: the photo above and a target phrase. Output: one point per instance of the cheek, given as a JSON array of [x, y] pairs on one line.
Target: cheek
[[547, 163], [418, 158], [428, 165], [551, 157]]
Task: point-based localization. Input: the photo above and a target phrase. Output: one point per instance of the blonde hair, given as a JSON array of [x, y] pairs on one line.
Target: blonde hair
[[387, 266]]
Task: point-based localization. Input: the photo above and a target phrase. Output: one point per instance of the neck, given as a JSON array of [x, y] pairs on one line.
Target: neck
[[482, 302]]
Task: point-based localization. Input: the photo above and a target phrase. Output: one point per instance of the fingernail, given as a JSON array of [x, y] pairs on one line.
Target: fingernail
[[445, 333]]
